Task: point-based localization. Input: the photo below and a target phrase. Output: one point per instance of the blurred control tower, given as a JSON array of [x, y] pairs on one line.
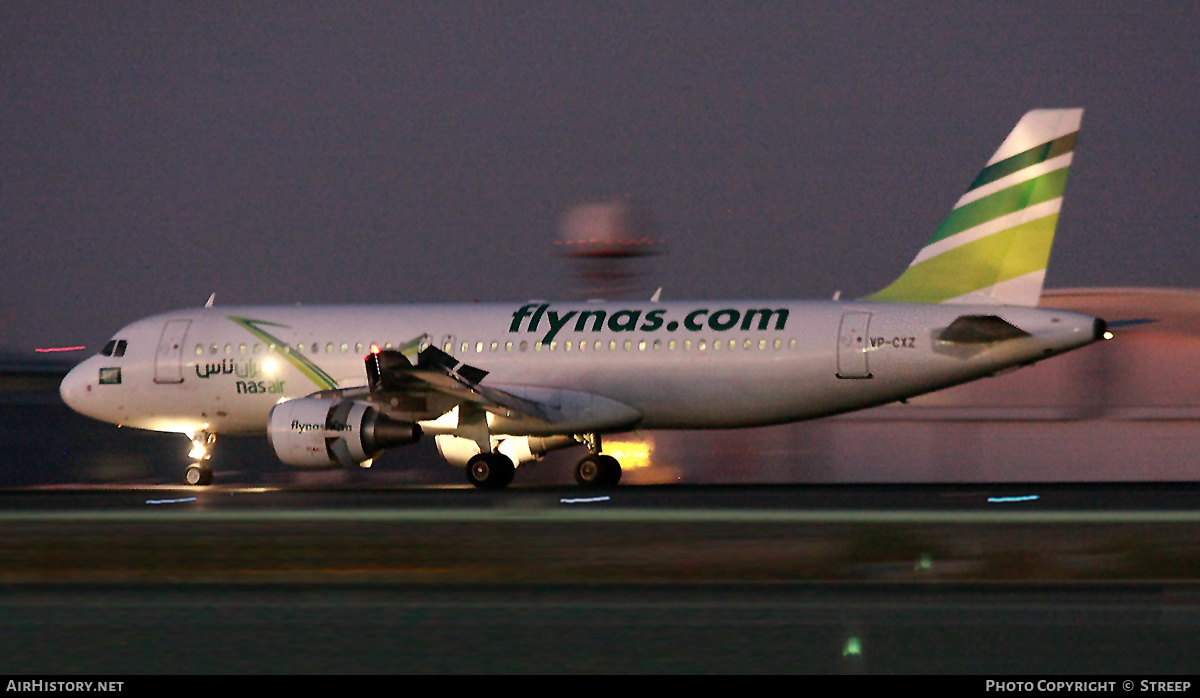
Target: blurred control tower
[[608, 241]]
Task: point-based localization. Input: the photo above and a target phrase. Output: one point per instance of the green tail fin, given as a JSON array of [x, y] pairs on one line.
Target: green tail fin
[[994, 246]]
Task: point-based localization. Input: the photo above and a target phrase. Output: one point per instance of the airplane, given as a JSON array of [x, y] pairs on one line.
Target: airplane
[[499, 385]]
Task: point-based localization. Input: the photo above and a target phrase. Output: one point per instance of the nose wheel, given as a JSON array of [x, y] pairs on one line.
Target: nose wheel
[[199, 473]]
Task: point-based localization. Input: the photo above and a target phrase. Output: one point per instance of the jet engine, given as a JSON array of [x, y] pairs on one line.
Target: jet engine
[[315, 433]]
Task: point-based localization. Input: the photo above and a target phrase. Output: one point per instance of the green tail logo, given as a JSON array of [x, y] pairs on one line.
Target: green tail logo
[[994, 246]]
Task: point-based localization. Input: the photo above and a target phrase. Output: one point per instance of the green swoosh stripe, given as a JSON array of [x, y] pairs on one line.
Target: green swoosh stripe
[[1019, 196], [1024, 249], [315, 373], [1036, 155]]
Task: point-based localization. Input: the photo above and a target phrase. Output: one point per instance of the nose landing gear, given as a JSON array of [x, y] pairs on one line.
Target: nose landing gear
[[199, 473]]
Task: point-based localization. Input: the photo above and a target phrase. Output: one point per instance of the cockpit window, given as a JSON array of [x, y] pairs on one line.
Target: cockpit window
[[115, 347]]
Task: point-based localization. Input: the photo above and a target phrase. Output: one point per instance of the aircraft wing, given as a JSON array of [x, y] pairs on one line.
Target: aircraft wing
[[439, 381], [435, 383]]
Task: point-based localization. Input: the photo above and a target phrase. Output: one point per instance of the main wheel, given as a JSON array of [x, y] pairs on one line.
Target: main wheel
[[490, 471], [596, 470]]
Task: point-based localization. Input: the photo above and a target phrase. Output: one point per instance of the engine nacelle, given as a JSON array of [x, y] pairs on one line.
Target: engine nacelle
[[327, 432]]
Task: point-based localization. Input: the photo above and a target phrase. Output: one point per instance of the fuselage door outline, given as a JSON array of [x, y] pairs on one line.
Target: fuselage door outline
[[168, 361], [852, 345]]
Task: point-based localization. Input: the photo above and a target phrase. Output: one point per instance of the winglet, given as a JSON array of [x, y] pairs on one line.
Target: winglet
[[994, 246]]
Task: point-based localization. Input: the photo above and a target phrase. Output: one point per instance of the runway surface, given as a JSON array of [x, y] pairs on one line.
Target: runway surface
[[975, 579]]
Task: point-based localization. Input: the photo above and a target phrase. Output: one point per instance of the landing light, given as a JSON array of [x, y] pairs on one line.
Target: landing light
[[1108, 335], [631, 454]]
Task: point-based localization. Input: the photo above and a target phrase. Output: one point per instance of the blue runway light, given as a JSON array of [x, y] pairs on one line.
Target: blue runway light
[[1023, 498], [584, 500]]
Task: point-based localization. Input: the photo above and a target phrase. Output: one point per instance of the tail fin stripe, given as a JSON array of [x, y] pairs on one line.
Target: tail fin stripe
[[1024, 249], [1033, 156], [1016, 178], [994, 246], [1035, 191], [991, 227]]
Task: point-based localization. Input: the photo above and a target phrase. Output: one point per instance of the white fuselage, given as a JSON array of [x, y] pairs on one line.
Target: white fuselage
[[686, 365]]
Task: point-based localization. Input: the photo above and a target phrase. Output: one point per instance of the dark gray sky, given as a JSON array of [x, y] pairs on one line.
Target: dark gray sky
[[153, 153]]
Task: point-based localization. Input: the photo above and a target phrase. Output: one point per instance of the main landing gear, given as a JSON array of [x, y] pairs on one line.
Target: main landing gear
[[199, 473], [494, 471], [596, 469], [490, 471]]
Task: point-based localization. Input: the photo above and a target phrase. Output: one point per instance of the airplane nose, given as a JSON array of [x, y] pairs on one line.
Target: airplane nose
[[73, 387]]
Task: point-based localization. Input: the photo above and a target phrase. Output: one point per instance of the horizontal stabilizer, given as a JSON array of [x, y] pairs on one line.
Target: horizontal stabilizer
[[1122, 324], [980, 329]]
